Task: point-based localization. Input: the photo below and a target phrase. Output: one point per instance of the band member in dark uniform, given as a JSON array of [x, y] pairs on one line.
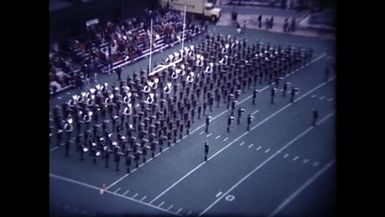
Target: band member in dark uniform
[[117, 160], [207, 123], [119, 73], [144, 151], [285, 86], [293, 93], [327, 72], [59, 135], [67, 147], [255, 92], [315, 116], [272, 94], [137, 156], [128, 162], [153, 145], [229, 119], [188, 125], [107, 157], [181, 131], [206, 150], [249, 118], [240, 110]]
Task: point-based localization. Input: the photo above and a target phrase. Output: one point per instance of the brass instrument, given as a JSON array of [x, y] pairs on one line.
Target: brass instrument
[[92, 90], [224, 60], [126, 99], [68, 127], [155, 85], [174, 75], [226, 48], [98, 87], [190, 77], [107, 101], [87, 117], [72, 102], [147, 89], [182, 70], [167, 88], [81, 97], [150, 99], [177, 55], [89, 101], [209, 68], [199, 60]]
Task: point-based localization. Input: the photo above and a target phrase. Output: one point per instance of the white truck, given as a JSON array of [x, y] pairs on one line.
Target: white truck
[[199, 7]]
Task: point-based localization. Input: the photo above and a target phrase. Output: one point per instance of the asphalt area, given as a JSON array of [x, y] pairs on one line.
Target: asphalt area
[[283, 166]]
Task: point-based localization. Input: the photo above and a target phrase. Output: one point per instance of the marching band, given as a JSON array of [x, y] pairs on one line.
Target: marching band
[[144, 112]]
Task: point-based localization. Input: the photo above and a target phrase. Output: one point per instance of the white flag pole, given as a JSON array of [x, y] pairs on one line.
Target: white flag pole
[[149, 62], [184, 25]]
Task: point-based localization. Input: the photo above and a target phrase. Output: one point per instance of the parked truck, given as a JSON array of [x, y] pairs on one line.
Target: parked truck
[[198, 7]]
